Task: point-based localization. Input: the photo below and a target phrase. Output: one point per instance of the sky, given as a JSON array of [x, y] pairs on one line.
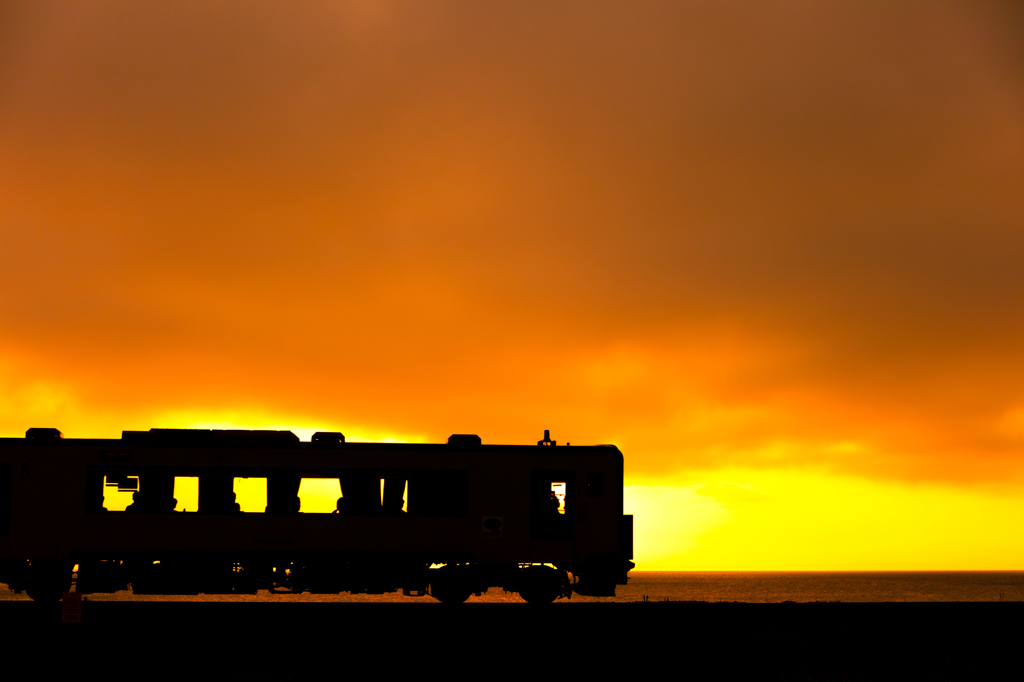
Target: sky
[[772, 250]]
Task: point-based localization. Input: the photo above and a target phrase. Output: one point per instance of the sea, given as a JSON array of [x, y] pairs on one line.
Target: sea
[[706, 586]]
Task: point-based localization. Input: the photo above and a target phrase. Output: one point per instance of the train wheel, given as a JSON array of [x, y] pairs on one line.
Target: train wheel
[[48, 581], [450, 594], [542, 584], [42, 593], [450, 586]]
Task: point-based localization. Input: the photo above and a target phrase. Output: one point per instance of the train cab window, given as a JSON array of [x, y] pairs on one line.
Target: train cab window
[[186, 492], [595, 484], [552, 504], [319, 495], [557, 504]]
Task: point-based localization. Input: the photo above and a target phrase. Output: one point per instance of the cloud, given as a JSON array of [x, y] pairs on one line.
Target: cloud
[[715, 234]]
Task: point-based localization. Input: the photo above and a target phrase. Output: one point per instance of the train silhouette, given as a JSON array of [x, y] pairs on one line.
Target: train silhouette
[[446, 520]]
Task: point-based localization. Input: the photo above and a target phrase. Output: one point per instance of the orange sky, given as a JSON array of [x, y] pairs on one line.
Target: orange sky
[[774, 251]]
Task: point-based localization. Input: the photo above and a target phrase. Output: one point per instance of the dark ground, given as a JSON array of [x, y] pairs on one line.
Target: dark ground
[[638, 641]]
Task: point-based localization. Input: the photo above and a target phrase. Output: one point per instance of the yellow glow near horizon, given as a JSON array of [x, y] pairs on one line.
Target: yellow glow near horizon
[[305, 432], [793, 520]]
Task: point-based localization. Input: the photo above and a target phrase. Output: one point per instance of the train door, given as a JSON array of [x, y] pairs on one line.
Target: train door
[[595, 516], [553, 505]]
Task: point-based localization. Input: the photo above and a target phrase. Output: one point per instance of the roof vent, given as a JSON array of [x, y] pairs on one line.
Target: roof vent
[[43, 433], [328, 437], [547, 438], [464, 439]]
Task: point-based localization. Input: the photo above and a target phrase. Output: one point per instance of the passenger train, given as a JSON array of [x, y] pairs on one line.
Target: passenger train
[[159, 512]]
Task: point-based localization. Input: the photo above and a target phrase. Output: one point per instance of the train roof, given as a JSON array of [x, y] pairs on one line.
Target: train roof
[[265, 439]]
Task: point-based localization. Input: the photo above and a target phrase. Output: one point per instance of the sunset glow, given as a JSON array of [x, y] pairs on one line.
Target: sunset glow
[[773, 251]]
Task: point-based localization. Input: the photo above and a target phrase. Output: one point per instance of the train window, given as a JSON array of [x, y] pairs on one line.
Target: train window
[[186, 492], [250, 494], [319, 495], [142, 491], [595, 484], [118, 490], [394, 496], [365, 493]]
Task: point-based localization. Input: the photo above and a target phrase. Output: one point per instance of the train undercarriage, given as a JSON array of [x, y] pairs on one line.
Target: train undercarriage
[[451, 581]]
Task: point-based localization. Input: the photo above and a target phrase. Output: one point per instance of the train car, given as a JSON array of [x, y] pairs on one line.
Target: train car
[[158, 511]]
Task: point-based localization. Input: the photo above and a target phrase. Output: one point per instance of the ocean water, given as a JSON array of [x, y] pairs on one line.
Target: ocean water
[[818, 586], [711, 586]]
